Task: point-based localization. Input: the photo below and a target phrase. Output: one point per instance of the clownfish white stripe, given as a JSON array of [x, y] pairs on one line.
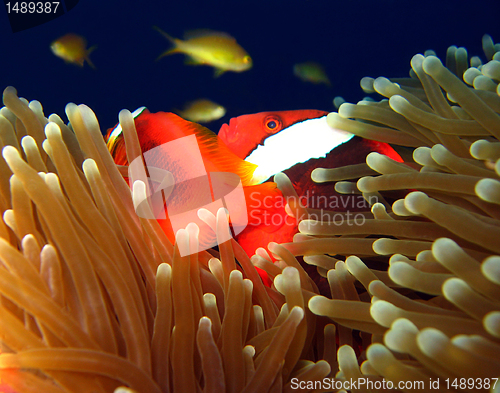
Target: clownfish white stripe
[[300, 142], [118, 129]]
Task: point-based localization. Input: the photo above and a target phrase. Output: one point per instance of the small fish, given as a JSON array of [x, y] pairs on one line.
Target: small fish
[[212, 48], [201, 111], [311, 72], [72, 48]]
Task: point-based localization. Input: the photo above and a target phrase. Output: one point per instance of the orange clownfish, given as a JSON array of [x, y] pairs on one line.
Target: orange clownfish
[[295, 143], [168, 135], [256, 147]]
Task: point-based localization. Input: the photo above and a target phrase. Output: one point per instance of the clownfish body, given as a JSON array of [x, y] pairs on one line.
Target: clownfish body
[[156, 129], [293, 142], [244, 133], [298, 141], [289, 140], [156, 132]]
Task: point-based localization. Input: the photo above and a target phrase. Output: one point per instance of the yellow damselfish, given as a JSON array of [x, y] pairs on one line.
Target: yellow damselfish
[[212, 48], [311, 72], [201, 111], [72, 48]]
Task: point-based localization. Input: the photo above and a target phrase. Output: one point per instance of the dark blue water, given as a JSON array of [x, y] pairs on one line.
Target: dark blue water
[[351, 38]]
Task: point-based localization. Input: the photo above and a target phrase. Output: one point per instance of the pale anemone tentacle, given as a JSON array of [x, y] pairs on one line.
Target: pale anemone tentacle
[[95, 298], [452, 184]]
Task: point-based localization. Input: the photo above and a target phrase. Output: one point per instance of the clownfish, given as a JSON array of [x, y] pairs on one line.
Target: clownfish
[[156, 132], [295, 143], [208, 47], [292, 142], [72, 48]]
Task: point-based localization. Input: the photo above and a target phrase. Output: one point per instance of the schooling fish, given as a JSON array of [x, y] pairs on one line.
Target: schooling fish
[[201, 111], [72, 48], [212, 48]]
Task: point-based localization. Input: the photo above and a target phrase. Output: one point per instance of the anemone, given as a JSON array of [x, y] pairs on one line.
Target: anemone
[[95, 298], [420, 277]]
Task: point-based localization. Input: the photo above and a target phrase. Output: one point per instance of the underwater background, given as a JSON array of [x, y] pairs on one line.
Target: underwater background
[[419, 282], [352, 39]]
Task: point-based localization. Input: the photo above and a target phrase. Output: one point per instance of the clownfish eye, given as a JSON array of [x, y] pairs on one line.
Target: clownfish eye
[[272, 124]]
